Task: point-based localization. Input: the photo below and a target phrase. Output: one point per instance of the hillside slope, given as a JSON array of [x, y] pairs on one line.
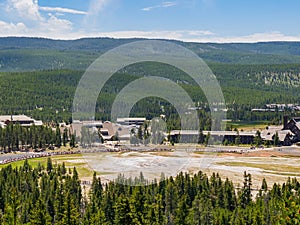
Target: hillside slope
[[27, 54]]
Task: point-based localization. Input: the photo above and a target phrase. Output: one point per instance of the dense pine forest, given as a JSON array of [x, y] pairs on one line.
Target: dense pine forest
[[39, 78], [48, 95], [15, 138], [54, 195]]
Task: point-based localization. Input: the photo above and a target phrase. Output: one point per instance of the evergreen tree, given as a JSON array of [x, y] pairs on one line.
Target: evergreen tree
[[65, 137], [201, 137], [257, 139], [57, 137], [237, 140], [49, 165], [73, 141], [207, 137], [123, 213], [39, 215], [71, 215], [276, 139], [246, 196]]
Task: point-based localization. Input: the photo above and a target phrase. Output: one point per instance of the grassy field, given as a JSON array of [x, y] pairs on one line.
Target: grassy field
[[255, 125], [70, 161], [282, 169]]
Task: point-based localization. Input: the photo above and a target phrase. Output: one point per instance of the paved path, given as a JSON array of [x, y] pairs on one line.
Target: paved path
[[13, 157]]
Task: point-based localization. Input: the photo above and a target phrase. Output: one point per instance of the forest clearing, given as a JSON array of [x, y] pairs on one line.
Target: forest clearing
[[274, 164]]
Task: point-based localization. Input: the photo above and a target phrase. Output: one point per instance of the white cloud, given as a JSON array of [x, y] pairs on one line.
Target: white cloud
[[148, 8], [12, 29], [175, 34], [94, 13], [26, 9], [28, 21], [24, 18], [162, 5], [201, 36], [62, 10], [168, 4], [54, 28], [251, 38], [56, 25], [96, 6], [197, 32]]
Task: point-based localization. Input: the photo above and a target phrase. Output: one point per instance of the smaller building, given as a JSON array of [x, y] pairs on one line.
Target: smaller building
[[105, 129], [107, 132], [77, 125], [19, 119], [131, 121]]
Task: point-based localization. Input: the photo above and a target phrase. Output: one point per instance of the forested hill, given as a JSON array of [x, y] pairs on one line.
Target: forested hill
[[52, 194], [103, 44], [25, 54]]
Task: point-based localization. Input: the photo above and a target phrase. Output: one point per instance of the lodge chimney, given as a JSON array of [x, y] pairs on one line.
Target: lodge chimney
[[285, 121]]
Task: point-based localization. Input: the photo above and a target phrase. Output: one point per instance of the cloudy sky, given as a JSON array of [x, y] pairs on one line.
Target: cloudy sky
[[188, 20]]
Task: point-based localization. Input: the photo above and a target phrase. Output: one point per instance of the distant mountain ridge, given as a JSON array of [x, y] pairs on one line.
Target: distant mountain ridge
[[96, 44], [104, 43], [25, 54]]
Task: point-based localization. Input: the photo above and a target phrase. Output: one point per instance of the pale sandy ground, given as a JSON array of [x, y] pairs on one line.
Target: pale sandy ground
[[276, 165]]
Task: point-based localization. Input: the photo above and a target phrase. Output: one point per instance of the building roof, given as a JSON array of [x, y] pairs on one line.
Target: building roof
[[22, 119], [268, 134], [213, 133], [282, 134], [5, 118], [38, 122], [297, 122], [107, 126], [131, 119], [296, 119], [2, 125]]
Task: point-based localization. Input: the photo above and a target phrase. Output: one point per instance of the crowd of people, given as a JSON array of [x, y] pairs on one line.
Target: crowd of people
[[13, 157], [8, 158]]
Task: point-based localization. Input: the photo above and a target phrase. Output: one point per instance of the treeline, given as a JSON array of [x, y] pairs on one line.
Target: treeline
[[15, 137], [53, 195], [48, 95]]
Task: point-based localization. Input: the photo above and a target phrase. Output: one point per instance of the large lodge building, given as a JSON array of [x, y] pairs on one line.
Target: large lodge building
[[294, 127], [287, 135]]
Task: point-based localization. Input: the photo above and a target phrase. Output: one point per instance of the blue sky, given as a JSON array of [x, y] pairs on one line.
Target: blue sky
[[188, 20]]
